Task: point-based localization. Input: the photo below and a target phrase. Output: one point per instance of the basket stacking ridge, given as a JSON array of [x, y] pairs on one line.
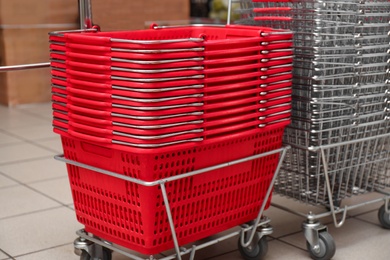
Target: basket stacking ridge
[[135, 217], [162, 102], [161, 92], [340, 94]]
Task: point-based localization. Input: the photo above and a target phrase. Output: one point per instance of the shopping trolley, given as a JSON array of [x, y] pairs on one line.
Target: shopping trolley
[[171, 134], [340, 111]]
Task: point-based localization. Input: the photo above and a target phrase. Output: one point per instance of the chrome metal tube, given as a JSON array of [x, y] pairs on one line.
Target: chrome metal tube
[[24, 66], [85, 11]]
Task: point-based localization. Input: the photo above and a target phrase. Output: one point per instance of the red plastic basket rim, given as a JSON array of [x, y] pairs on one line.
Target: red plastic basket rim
[[187, 145], [198, 34]]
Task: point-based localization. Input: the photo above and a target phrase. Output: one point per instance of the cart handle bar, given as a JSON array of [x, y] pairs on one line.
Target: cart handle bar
[[169, 179], [24, 66]]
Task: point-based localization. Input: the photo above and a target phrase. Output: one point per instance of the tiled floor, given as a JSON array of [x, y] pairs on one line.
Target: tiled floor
[[37, 220]]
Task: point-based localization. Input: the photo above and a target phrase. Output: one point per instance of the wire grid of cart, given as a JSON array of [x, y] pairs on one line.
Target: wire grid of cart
[[154, 160], [340, 107]]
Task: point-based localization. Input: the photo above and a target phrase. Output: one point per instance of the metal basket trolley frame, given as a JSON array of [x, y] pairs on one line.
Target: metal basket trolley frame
[[252, 235], [340, 123], [252, 241]]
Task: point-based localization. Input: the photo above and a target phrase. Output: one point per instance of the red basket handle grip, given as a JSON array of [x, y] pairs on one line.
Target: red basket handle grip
[[88, 93], [272, 9], [273, 18], [93, 103], [275, 1], [92, 129], [90, 138], [95, 121], [88, 110]]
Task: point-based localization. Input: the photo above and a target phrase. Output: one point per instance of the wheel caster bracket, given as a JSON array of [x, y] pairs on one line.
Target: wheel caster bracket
[[94, 250], [311, 232]]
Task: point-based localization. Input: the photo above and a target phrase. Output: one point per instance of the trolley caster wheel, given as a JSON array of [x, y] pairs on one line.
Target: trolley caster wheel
[[326, 247], [107, 255], [84, 255], [384, 217], [256, 251]]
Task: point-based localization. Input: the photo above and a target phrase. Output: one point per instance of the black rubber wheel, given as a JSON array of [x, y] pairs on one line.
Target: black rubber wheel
[[107, 255], [256, 251], [84, 255], [384, 218], [326, 250]]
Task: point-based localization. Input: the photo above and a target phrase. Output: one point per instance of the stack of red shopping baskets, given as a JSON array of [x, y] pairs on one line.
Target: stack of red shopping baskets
[[161, 102]]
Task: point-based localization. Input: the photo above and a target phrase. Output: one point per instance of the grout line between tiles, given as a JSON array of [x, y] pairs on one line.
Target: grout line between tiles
[[42, 250], [25, 110], [39, 192], [34, 212], [226, 253], [40, 181], [369, 222], [32, 142], [8, 255], [286, 235], [287, 243], [27, 160]]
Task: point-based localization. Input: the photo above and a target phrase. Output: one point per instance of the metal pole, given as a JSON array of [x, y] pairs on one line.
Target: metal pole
[[24, 67], [85, 11]]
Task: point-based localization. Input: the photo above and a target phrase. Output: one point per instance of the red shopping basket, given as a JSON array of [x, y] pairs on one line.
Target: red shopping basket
[[135, 217]]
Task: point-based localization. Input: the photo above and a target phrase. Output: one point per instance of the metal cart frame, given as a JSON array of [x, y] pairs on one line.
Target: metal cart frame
[[312, 226], [252, 235], [346, 115]]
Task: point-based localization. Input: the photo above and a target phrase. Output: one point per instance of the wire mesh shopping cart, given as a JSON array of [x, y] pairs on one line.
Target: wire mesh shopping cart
[[171, 134], [340, 105]]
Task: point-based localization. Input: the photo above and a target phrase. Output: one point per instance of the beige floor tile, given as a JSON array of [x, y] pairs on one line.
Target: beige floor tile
[[11, 118], [6, 182], [8, 139], [366, 198], [22, 151], [34, 132], [354, 240], [58, 253], [283, 222], [3, 256], [35, 170], [24, 200], [57, 189], [276, 251], [38, 231], [52, 144], [371, 217], [40, 109]]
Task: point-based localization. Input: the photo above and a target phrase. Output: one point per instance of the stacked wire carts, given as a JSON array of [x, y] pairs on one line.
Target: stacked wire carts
[[340, 107], [171, 134]]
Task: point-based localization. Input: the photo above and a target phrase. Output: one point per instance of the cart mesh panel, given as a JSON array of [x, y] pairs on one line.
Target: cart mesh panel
[[134, 215], [340, 94]]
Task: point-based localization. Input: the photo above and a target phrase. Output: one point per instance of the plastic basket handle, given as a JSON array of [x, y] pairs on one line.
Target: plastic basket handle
[[90, 138], [273, 1], [94, 121], [88, 111], [93, 103], [88, 93], [272, 18], [90, 129], [272, 9]]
